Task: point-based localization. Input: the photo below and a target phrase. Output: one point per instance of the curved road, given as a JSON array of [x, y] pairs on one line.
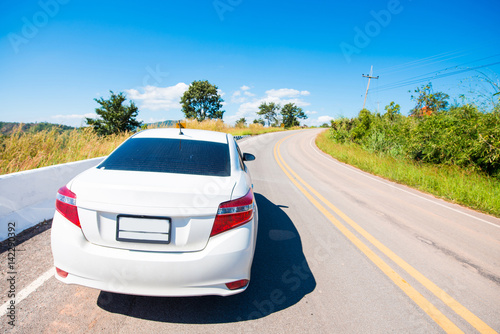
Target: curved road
[[338, 251]]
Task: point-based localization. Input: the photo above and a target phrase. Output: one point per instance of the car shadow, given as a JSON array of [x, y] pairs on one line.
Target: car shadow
[[281, 277]]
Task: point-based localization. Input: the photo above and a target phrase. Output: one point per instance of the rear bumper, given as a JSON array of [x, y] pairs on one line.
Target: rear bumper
[[226, 258]]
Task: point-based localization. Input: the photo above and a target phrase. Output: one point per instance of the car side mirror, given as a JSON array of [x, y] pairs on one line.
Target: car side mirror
[[248, 157]]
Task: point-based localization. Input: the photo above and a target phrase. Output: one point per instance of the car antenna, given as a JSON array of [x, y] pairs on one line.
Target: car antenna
[[180, 127]]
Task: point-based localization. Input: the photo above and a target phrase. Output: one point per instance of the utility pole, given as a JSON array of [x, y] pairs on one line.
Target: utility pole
[[368, 86]]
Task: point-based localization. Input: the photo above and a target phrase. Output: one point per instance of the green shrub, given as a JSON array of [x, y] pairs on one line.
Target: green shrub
[[461, 136]]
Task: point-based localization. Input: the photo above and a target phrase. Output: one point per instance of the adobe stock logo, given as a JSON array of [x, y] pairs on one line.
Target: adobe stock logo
[[372, 29], [157, 75], [40, 19], [223, 6]]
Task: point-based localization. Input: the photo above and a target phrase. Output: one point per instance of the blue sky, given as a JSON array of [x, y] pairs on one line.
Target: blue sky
[[56, 56]]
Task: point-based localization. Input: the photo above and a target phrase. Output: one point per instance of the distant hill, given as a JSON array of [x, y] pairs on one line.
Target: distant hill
[[7, 128], [168, 123]]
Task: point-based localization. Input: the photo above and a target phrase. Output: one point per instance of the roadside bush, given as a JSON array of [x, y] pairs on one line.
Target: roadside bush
[[462, 136], [362, 125], [374, 132], [341, 129]]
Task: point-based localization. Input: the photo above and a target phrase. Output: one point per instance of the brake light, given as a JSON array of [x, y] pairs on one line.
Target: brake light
[[66, 205], [61, 273], [233, 213], [237, 284]]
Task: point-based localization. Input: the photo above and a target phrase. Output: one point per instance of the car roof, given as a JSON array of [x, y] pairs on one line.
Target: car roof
[[188, 134]]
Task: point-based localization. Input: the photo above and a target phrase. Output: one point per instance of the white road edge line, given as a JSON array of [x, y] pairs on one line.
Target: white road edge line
[[329, 158], [27, 290]]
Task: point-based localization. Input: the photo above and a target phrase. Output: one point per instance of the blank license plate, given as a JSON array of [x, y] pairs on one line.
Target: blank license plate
[[143, 229]]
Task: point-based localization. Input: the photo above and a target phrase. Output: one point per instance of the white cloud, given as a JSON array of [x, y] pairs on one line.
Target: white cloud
[[318, 121], [159, 98], [310, 112], [75, 120], [237, 96], [249, 105], [325, 119], [297, 101], [73, 116], [286, 92], [247, 110]]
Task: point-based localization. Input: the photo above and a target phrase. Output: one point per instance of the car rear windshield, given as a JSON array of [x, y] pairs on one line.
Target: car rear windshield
[[170, 156]]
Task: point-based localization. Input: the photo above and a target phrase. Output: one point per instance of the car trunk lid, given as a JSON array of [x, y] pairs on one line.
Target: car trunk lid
[[157, 211]]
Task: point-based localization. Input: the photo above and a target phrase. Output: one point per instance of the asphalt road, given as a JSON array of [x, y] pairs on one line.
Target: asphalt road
[[338, 251]]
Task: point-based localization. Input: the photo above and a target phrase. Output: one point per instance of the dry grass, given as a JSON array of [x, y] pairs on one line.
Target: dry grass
[[220, 126], [22, 151]]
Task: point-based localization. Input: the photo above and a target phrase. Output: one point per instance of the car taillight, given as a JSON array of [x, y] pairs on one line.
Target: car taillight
[[233, 213], [61, 273], [66, 205], [237, 284]]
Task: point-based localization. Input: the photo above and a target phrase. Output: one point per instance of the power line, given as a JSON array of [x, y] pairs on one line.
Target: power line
[[430, 59], [445, 69], [424, 64], [413, 80], [420, 62]]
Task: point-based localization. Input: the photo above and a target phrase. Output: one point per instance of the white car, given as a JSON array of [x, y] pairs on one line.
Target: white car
[[168, 213]]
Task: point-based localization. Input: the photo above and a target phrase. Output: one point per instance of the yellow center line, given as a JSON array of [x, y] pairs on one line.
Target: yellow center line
[[428, 307]]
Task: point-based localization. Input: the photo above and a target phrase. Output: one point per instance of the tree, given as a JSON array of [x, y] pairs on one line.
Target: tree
[[241, 123], [114, 116], [269, 111], [392, 109], [427, 100], [362, 124], [202, 101], [291, 113], [259, 121]]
